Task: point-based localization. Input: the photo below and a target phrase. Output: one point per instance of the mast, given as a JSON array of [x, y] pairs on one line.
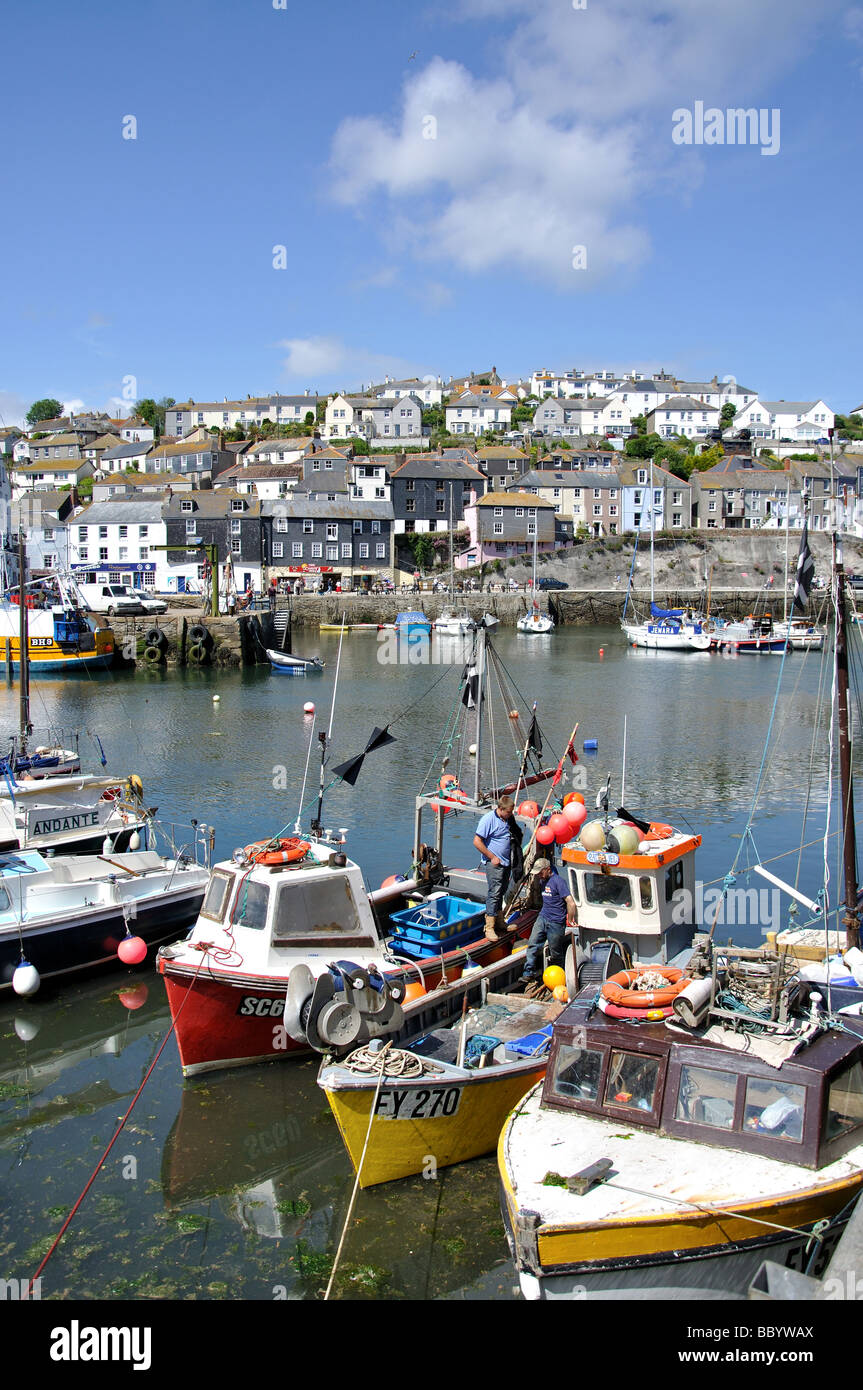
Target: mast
[[787, 526], [24, 725], [652, 525], [851, 919], [480, 694], [451, 559]]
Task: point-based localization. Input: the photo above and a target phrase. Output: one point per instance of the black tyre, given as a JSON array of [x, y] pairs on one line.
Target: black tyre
[[152, 654], [155, 637], [196, 654], [111, 611], [198, 633]]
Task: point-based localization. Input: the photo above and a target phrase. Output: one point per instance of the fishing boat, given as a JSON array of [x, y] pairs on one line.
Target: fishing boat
[[53, 631], [453, 624], [263, 973], [666, 629], [534, 622], [285, 664], [66, 914], [700, 1116]]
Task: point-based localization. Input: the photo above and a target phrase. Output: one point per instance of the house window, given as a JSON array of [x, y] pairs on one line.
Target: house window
[[103, 552], [296, 549], [144, 552], [364, 550], [317, 550], [278, 549], [519, 512], [597, 509], [103, 533], [376, 528], [410, 504], [332, 531], [142, 531], [381, 552], [82, 554], [124, 531], [235, 547], [357, 529], [347, 550], [440, 504], [236, 527], [531, 528], [190, 527], [308, 527], [498, 511], [124, 552], [498, 528], [186, 506], [332, 552], [82, 533], [237, 505]]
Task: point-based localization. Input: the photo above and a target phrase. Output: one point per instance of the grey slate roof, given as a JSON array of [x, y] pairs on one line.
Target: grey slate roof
[[134, 512], [126, 450], [343, 509]]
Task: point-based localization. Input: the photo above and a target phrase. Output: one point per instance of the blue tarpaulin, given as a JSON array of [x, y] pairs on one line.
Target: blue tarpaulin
[[657, 612]]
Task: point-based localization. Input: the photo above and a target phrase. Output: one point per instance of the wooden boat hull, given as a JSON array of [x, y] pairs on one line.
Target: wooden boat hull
[[448, 1119]]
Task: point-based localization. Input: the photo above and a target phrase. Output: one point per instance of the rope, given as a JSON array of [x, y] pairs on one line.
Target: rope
[[364, 1062], [717, 1211], [374, 1107], [117, 1132]]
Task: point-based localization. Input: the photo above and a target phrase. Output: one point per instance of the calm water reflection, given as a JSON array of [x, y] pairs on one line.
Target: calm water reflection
[[236, 1186]]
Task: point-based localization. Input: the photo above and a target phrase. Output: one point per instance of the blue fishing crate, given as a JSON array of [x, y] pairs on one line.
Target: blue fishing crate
[[437, 943], [439, 919], [532, 1044], [421, 950]]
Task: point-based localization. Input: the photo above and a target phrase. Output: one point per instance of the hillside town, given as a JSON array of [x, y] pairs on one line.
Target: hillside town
[[339, 491]]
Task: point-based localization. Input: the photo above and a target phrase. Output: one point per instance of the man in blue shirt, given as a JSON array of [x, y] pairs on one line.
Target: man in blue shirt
[[493, 839], [558, 912]]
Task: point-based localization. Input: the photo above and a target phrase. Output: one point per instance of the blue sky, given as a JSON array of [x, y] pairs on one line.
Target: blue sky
[[428, 205]]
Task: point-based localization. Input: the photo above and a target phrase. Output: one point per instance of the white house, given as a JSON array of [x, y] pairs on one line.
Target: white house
[[117, 539], [226, 414], [799, 422], [478, 412], [48, 474], [683, 415], [428, 391]]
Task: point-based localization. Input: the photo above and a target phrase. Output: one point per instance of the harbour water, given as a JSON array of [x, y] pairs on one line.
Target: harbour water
[[235, 1186]]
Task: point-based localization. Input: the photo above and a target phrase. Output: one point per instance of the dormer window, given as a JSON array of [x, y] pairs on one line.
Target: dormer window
[[237, 504], [186, 506]]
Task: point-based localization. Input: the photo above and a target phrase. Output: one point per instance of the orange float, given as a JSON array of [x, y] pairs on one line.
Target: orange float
[[617, 992], [658, 831]]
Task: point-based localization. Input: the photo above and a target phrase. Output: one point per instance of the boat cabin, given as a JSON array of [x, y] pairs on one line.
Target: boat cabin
[[644, 900], [317, 902], [809, 1111]]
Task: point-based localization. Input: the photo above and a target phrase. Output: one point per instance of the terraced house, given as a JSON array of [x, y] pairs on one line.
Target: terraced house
[[503, 524], [227, 414], [201, 459], [336, 540], [431, 491], [225, 518]]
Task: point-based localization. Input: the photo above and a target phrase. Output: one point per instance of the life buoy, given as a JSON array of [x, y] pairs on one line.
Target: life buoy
[[448, 784], [658, 831], [647, 1015], [288, 851], [616, 990]]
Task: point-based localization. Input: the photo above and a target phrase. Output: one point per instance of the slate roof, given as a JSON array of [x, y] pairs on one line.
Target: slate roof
[[133, 511]]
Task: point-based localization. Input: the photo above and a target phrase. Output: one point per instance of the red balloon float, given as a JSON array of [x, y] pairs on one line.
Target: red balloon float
[[575, 813], [561, 828], [530, 809], [573, 796], [545, 835], [132, 950]]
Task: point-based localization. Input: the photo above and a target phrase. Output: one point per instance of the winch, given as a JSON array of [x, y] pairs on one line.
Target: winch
[[345, 1006]]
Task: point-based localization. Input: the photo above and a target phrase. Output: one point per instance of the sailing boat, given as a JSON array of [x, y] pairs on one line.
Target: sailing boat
[[697, 1151], [800, 632], [535, 622], [667, 629]]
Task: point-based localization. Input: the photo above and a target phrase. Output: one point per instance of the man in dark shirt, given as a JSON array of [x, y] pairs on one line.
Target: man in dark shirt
[[557, 913]]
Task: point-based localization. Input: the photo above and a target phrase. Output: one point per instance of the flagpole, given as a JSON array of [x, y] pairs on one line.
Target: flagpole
[[524, 754]]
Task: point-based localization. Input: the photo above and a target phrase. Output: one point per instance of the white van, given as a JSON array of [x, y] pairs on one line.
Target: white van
[[111, 599]]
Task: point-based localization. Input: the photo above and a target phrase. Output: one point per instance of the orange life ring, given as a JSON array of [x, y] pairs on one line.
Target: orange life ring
[[288, 851], [648, 1015], [658, 831], [616, 992]]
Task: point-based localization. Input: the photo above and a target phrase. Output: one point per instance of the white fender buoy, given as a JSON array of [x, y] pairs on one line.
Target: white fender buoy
[[25, 980], [134, 840], [216, 699], [26, 1028], [308, 707], [472, 750], [107, 845]]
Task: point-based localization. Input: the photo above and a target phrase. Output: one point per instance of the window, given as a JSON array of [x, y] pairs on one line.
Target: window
[[440, 504], [576, 1073], [82, 533], [498, 511], [124, 531], [632, 1079], [347, 550], [519, 512], [82, 554], [410, 504], [103, 533], [142, 531], [498, 528], [236, 547], [296, 549], [124, 552], [280, 524], [217, 893], [191, 527], [236, 527], [357, 528], [308, 526], [706, 1097], [317, 550], [332, 531], [237, 505], [278, 550], [607, 890], [186, 506], [774, 1108], [845, 1102], [251, 906], [531, 528], [103, 552], [364, 550], [381, 551]]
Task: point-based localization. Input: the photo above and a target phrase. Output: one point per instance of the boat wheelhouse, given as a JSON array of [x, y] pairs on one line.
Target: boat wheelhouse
[[682, 1159]]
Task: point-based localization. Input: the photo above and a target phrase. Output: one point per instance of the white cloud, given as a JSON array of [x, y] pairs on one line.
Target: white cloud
[[326, 362], [510, 172], [13, 408], [76, 407]]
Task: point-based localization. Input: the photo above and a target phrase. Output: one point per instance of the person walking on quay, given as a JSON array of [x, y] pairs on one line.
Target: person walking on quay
[[494, 839], [558, 912]]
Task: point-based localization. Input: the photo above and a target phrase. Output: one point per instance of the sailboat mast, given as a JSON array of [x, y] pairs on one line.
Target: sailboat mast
[[652, 524], [787, 526], [480, 696], [24, 725], [851, 919]]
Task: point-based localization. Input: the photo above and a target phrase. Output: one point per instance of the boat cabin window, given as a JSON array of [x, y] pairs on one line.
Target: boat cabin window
[[608, 890], [573, 885], [632, 1081], [645, 888], [845, 1103], [706, 1097], [576, 1072], [673, 879], [216, 896], [250, 909], [325, 907], [5, 901], [775, 1108]]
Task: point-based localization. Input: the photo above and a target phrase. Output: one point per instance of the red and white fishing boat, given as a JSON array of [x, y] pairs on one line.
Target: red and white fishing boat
[[281, 913]]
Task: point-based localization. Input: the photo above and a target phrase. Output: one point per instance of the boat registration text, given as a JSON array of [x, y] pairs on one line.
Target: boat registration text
[[59, 823], [420, 1103]]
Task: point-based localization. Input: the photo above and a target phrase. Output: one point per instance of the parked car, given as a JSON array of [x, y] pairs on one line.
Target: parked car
[[111, 599], [547, 583], [149, 602]]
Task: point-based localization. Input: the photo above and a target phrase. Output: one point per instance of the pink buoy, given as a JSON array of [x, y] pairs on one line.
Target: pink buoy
[[562, 828], [545, 835], [576, 813], [132, 950], [528, 809], [308, 707]]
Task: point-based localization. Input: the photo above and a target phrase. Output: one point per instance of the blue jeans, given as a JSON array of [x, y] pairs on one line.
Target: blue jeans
[[555, 934], [497, 877]]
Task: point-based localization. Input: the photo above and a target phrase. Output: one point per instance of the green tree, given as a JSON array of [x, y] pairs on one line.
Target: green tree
[[46, 409], [640, 424], [727, 414], [642, 446], [434, 418], [153, 412], [309, 419], [847, 426]]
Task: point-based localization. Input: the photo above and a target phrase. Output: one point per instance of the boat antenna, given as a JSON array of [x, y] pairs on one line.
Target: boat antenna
[[623, 769], [298, 822], [851, 920], [325, 736]]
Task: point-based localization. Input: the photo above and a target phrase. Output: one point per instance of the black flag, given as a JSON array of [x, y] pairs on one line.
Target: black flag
[[350, 771], [805, 572], [534, 737]]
